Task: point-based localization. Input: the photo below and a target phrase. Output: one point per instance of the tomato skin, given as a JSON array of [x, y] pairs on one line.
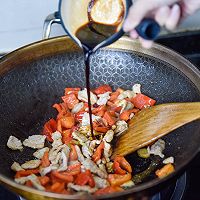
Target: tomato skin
[[79, 115], [98, 153], [85, 178], [107, 190], [141, 100], [117, 179], [49, 128], [71, 100], [103, 89]]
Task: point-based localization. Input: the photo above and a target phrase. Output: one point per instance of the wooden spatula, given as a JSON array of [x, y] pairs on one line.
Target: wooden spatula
[[152, 123]]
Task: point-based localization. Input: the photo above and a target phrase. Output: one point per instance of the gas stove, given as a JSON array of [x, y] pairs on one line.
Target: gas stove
[[186, 187]]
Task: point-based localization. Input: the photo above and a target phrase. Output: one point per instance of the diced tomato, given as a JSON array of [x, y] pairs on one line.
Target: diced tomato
[[98, 109], [103, 89], [72, 91], [67, 122], [85, 178], [71, 100], [98, 153], [73, 154], [79, 116], [108, 190], [120, 90], [67, 136], [64, 177], [74, 169], [165, 171], [141, 100], [27, 172], [101, 129], [117, 179], [116, 108], [44, 180], [45, 160], [109, 118], [49, 128], [29, 184], [121, 165], [114, 96], [57, 187]]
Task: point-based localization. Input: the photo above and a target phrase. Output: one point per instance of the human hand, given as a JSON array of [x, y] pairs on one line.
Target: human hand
[[167, 13]]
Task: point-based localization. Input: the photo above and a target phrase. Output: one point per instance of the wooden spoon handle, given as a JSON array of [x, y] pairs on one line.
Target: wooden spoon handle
[[152, 123]]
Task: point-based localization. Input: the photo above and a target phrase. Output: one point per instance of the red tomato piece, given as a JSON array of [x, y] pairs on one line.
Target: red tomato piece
[[141, 100], [103, 89], [71, 100], [72, 91], [49, 128]]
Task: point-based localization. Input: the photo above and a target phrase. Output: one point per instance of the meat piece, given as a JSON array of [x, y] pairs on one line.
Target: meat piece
[[57, 139], [78, 107], [157, 148], [82, 95], [89, 164], [35, 181], [86, 151], [80, 137], [35, 141], [14, 143], [109, 136], [121, 127], [136, 88], [64, 159], [31, 164], [100, 182], [103, 98], [168, 160], [102, 167], [54, 152], [83, 188], [46, 170], [40, 152], [80, 155], [126, 94], [92, 145], [107, 151], [56, 158], [122, 103], [16, 167], [86, 119]]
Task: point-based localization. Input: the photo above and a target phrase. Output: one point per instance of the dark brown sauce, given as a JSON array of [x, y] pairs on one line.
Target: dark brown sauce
[[90, 35]]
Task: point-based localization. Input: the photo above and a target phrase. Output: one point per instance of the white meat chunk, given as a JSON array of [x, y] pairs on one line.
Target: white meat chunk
[[100, 182], [121, 127], [46, 170], [80, 137], [57, 139], [31, 164], [14, 143], [77, 107], [157, 148], [16, 167], [103, 98], [168, 160], [126, 94], [82, 95], [35, 181], [21, 180], [53, 153], [35, 141], [86, 119], [107, 151], [109, 136], [40, 152], [102, 167], [86, 151], [136, 88], [123, 104], [83, 188], [64, 159], [79, 153], [89, 164]]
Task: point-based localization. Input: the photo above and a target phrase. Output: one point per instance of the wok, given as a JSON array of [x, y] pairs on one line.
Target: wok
[[34, 77]]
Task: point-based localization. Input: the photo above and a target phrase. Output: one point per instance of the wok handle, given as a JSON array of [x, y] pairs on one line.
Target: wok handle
[[50, 19]]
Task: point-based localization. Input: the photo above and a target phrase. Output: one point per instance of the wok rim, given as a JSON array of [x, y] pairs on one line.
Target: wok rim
[[133, 46]]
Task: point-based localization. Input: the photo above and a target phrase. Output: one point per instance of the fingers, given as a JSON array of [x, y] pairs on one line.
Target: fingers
[[174, 17], [147, 44], [162, 15]]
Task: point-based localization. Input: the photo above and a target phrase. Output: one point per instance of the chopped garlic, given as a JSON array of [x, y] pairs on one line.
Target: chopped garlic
[[14, 143]]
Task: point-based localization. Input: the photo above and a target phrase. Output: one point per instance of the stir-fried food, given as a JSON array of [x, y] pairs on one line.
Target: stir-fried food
[[74, 159]]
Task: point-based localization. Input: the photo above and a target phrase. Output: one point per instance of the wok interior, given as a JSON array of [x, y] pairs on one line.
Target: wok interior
[[29, 90]]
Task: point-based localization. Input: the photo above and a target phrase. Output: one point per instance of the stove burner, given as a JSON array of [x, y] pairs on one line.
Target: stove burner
[[173, 192]]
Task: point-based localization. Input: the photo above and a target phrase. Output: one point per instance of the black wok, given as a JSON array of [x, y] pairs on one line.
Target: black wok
[[34, 77]]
